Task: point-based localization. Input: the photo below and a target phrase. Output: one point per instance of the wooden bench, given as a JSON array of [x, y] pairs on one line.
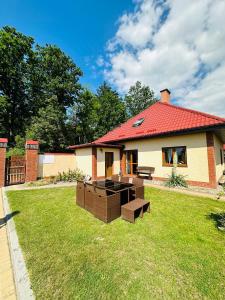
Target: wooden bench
[[134, 209], [147, 171]]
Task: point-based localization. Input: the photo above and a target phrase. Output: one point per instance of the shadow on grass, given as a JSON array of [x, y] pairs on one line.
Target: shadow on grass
[[219, 219], [3, 221]]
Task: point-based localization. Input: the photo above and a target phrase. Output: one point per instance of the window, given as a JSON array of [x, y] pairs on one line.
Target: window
[[172, 154], [131, 161], [138, 122]]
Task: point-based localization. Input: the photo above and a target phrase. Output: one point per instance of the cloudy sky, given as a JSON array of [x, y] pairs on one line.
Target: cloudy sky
[[172, 44]]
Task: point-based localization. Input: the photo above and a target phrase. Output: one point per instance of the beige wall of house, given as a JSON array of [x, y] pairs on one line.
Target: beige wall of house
[[101, 160], [52, 164], [84, 160], [218, 155], [150, 154]]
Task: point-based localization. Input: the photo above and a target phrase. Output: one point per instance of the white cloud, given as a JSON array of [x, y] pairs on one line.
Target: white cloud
[[173, 53]]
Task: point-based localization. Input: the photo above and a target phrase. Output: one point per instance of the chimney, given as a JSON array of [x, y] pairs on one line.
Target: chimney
[[165, 96]]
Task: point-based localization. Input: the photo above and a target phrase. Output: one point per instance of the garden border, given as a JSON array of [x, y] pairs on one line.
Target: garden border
[[21, 276]]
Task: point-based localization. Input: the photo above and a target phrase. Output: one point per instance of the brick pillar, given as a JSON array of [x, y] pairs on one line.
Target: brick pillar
[[31, 157], [3, 146]]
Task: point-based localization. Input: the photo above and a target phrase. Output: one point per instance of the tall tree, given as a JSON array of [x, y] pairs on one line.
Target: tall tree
[[15, 54], [55, 82], [55, 75], [139, 97], [111, 110], [83, 117], [50, 127]]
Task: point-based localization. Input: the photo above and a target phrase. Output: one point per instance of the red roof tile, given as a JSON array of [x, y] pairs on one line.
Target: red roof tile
[[161, 118]]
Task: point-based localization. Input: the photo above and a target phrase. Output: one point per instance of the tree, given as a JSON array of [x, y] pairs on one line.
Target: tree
[[50, 128], [31, 79], [56, 89], [138, 98], [15, 54], [110, 110], [83, 117], [55, 75]]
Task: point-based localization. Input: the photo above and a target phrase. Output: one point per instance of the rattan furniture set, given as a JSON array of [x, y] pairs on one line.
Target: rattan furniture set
[[106, 199]]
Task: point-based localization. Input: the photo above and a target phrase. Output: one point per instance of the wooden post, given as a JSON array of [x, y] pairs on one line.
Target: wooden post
[[3, 146]]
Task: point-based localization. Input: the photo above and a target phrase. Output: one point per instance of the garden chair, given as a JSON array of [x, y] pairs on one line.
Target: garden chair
[[80, 193], [137, 191], [106, 205], [115, 178], [89, 197], [125, 179]]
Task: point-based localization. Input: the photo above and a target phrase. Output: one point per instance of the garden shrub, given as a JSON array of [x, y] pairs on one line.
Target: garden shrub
[[176, 180], [71, 175]]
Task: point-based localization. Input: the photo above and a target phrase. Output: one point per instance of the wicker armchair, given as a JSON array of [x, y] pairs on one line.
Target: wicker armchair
[[137, 191], [125, 179], [106, 205], [89, 197], [80, 193], [115, 178]]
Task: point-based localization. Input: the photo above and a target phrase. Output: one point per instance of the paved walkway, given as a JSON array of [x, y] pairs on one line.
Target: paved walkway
[[7, 286]]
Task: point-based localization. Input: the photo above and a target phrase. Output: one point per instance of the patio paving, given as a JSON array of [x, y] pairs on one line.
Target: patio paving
[[7, 286]]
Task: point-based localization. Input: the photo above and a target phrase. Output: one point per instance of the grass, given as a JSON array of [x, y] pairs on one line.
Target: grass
[[176, 252]]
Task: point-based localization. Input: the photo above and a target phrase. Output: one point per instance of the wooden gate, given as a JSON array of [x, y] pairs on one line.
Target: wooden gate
[[15, 170]]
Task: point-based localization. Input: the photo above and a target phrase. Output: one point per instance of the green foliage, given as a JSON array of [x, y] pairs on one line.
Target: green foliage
[[49, 127], [83, 117], [110, 110], [176, 180], [138, 98], [33, 82], [71, 175], [15, 55], [18, 149]]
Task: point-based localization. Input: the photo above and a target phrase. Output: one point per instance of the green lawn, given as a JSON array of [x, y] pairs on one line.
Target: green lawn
[[175, 252]]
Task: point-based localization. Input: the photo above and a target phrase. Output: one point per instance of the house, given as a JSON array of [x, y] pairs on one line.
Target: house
[[152, 138]]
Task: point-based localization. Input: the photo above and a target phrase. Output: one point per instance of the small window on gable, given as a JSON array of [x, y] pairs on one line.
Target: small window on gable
[[138, 122]]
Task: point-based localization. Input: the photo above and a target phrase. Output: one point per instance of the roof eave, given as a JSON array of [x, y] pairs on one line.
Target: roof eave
[[169, 133]]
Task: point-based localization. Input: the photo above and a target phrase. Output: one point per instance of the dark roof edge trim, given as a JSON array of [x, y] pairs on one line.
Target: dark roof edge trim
[[100, 145]]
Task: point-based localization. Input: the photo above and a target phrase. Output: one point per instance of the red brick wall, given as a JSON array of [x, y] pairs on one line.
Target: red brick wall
[[31, 164], [2, 166]]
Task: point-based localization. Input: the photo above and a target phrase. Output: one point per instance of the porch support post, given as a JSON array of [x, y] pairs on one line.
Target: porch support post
[[94, 163], [122, 162], [3, 146], [211, 159], [31, 160]]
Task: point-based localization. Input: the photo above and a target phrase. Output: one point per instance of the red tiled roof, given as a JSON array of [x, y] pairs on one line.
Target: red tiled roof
[[161, 118]]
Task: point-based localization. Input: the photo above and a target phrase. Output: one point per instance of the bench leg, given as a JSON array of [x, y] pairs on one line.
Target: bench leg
[[141, 215]]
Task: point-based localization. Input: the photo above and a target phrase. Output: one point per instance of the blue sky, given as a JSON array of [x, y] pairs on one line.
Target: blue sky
[[80, 27], [171, 44]]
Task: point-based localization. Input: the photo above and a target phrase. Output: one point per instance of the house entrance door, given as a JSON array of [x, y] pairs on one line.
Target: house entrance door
[[109, 157]]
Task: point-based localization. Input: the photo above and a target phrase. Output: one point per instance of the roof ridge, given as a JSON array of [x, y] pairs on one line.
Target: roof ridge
[[194, 111]]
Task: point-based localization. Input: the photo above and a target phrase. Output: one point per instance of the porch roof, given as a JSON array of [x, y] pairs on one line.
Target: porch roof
[[94, 144]]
